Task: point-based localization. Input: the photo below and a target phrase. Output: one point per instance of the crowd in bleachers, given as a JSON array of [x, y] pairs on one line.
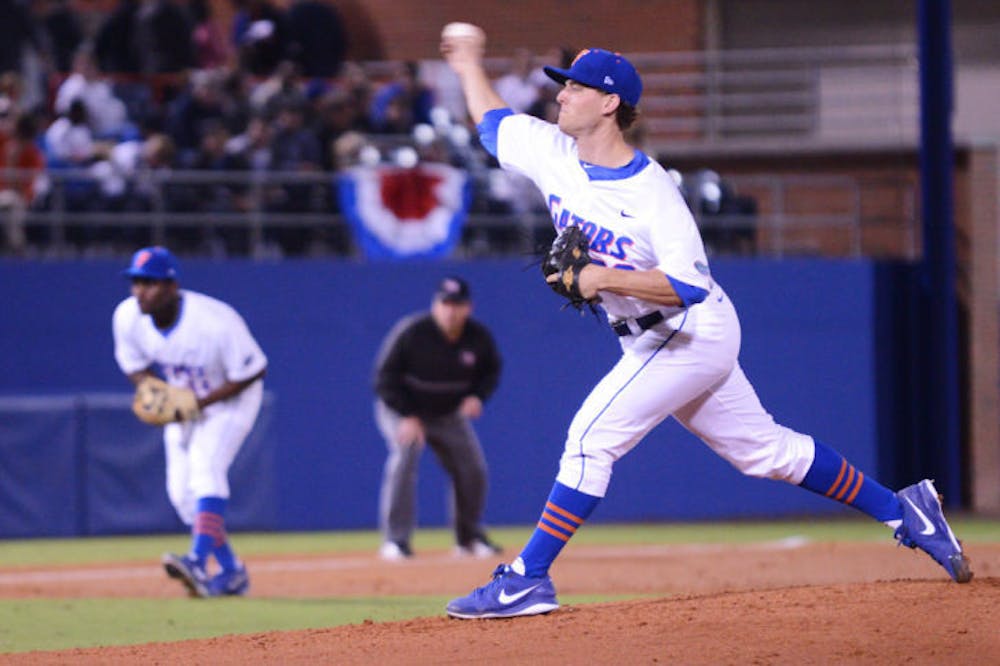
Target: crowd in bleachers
[[161, 84]]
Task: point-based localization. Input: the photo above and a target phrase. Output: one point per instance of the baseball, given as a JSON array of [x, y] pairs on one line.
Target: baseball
[[460, 30]]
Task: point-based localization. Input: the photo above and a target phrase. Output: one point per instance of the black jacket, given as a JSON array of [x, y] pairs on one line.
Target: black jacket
[[419, 372]]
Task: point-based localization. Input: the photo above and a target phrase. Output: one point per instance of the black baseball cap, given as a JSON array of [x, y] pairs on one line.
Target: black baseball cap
[[453, 290]]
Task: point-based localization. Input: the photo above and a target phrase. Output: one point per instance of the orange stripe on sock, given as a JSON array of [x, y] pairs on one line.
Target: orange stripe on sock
[[561, 523], [554, 532], [857, 487], [847, 484], [564, 513], [833, 486]]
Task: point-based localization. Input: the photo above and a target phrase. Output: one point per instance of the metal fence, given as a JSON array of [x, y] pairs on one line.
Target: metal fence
[[252, 214]]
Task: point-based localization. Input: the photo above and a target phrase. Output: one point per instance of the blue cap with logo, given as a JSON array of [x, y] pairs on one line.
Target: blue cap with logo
[[154, 263], [604, 70]]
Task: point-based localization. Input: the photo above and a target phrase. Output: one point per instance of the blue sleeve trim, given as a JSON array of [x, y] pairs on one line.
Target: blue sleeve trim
[[488, 128], [689, 294]]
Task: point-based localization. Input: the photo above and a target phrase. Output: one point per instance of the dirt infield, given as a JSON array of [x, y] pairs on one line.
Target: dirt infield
[[781, 602]]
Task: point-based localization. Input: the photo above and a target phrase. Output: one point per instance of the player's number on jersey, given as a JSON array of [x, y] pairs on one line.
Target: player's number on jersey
[[621, 267], [192, 377]]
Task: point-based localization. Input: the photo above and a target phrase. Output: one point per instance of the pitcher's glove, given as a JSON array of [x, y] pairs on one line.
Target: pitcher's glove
[[564, 260], [158, 403]]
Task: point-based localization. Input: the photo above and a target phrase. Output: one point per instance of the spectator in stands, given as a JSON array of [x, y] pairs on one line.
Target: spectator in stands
[[259, 35], [294, 148], [253, 146], [107, 113], [211, 48], [335, 114], [354, 81], [115, 44], [63, 31], [163, 31], [199, 102], [22, 175], [126, 175], [129, 179], [69, 145], [226, 195], [517, 87], [69, 140], [317, 41], [280, 88], [401, 103], [234, 89], [347, 150]]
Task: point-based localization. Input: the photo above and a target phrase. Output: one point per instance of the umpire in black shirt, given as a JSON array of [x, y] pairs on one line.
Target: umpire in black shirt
[[433, 373]]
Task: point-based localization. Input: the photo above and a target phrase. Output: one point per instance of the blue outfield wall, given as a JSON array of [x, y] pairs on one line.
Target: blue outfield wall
[[314, 461]]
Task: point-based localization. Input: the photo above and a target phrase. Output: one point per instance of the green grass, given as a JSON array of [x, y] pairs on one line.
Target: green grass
[[43, 624], [52, 624], [48, 552]]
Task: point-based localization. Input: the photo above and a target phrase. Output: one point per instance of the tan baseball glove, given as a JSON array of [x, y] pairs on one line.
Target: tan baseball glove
[[158, 403]]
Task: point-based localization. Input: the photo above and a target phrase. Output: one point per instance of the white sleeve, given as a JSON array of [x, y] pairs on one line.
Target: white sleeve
[[677, 242], [242, 357], [129, 356], [526, 144]]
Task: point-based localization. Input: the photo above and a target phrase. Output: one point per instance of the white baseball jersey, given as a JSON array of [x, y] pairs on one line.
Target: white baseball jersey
[[208, 345], [640, 222], [685, 366]]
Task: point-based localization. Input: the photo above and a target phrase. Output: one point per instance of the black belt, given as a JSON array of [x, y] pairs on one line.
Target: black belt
[[645, 322]]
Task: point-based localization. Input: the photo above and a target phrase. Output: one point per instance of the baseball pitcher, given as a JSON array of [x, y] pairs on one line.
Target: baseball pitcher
[[628, 242]]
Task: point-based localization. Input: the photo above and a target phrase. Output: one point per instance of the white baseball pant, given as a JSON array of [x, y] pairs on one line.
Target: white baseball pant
[[686, 367]]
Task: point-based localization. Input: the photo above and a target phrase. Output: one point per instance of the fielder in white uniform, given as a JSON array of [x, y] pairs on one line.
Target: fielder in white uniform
[[200, 343], [678, 330]]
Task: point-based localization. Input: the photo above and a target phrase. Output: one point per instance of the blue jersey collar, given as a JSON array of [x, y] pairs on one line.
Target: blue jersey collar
[[595, 172]]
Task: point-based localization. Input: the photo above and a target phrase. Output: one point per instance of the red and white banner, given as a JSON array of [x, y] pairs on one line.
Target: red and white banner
[[398, 213]]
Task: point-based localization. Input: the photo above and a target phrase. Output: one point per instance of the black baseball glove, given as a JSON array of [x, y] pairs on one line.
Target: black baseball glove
[[565, 259]]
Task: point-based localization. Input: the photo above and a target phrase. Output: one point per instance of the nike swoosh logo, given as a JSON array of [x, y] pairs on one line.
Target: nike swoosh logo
[[928, 525], [507, 599], [624, 214]]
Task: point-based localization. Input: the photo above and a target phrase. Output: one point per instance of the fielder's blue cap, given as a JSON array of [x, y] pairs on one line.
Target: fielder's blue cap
[[604, 70], [155, 263]]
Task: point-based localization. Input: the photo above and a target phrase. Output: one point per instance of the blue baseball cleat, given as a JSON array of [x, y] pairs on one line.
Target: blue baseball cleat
[[191, 574], [230, 583], [509, 594], [924, 527]]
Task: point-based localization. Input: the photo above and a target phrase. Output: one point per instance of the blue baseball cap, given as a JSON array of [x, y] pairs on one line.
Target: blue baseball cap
[[155, 263], [604, 70]]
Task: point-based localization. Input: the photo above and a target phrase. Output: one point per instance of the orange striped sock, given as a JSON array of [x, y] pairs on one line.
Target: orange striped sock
[[832, 476], [564, 513]]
